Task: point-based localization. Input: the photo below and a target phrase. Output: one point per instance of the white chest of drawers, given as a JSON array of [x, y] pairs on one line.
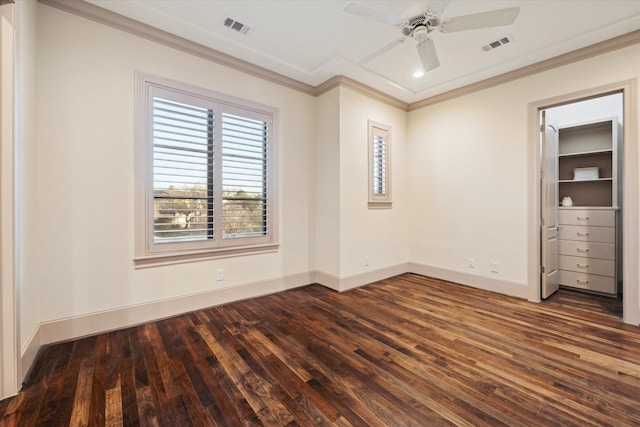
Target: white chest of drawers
[[587, 249]]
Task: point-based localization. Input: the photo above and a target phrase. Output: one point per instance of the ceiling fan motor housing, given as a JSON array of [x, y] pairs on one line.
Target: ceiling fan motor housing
[[419, 26]]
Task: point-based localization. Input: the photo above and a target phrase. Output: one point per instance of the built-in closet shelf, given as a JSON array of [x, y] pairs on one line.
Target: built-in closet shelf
[[592, 145], [591, 208], [585, 180], [585, 153], [588, 252]]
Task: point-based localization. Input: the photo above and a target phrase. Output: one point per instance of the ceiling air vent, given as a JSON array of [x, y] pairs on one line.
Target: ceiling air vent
[[236, 26], [497, 43]]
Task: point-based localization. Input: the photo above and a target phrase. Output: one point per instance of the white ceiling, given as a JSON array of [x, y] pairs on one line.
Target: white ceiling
[[312, 41]]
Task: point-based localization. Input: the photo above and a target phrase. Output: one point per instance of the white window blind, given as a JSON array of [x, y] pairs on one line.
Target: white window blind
[[182, 172], [244, 176], [209, 172], [379, 140], [379, 165]]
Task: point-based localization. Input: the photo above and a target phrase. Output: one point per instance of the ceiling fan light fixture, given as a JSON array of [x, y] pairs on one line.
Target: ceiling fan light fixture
[[420, 33], [418, 74]]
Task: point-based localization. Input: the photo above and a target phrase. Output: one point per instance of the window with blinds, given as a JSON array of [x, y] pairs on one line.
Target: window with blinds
[[209, 163], [379, 165], [244, 176], [182, 172]]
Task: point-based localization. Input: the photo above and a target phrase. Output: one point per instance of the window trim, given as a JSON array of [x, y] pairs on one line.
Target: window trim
[[377, 200], [146, 252]]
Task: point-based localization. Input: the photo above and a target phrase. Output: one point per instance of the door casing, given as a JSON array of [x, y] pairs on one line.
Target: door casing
[[10, 363]]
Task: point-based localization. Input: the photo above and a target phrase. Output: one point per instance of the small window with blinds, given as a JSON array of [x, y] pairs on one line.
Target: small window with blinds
[[379, 140], [207, 162]]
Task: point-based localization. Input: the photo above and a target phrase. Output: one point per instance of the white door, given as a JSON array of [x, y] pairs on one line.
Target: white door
[[549, 207]]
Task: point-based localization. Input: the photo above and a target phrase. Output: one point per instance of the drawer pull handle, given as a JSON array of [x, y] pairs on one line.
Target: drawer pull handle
[[582, 250], [583, 265], [583, 218], [583, 234], [582, 282]]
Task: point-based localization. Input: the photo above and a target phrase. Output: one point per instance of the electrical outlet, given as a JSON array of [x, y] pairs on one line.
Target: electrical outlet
[[220, 274], [495, 267], [366, 261], [471, 263]]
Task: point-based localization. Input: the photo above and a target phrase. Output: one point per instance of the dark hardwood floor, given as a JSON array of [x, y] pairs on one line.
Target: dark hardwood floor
[[404, 351], [586, 302]]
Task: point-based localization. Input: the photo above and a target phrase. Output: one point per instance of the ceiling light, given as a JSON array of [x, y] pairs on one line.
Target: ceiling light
[[418, 74]]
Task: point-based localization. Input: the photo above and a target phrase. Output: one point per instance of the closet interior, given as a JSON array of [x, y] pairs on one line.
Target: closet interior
[[589, 198]]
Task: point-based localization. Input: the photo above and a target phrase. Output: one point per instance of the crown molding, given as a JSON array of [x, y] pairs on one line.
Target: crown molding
[[131, 26], [356, 86], [112, 19], [591, 51]]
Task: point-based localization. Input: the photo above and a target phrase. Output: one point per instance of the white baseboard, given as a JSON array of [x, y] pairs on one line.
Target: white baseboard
[[29, 352], [357, 280], [325, 279], [492, 284], [342, 284]]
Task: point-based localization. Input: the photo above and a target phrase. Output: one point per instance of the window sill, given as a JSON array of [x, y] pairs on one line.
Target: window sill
[[380, 205], [158, 260]]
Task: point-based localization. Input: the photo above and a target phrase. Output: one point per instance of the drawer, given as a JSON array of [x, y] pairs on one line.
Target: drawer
[[602, 267], [587, 217], [587, 249], [587, 234], [587, 281]]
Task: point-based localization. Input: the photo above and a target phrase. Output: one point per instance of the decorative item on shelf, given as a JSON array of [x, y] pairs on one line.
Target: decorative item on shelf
[[566, 202], [584, 174]]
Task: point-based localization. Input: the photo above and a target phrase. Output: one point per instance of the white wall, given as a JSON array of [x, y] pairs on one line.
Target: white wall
[[81, 174], [378, 234], [468, 162], [327, 186], [346, 230]]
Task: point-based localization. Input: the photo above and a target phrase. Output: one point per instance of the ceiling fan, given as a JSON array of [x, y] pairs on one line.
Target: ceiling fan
[[419, 25]]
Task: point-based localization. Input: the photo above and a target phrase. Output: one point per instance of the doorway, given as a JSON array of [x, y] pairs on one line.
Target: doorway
[[571, 109], [581, 187]]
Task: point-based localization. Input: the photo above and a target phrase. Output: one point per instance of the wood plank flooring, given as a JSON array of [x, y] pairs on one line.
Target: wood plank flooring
[[403, 351]]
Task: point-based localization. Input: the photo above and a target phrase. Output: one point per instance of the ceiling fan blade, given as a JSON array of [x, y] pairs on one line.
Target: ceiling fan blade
[[375, 14], [380, 51], [494, 18], [437, 6], [428, 55]]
